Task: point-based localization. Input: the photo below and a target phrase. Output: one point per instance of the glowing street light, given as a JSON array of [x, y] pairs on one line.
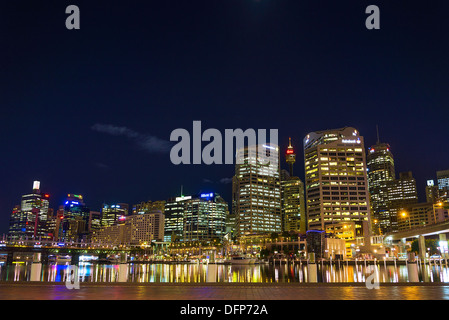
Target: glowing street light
[[438, 204], [404, 215]]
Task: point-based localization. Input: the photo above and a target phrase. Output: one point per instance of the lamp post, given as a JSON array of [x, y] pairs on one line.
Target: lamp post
[[404, 215], [377, 226]]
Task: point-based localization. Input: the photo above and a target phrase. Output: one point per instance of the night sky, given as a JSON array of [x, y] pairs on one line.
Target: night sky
[[90, 111]]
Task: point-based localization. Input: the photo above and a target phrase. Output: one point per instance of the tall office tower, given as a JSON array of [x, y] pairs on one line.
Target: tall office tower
[[432, 194], [17, 223], [30, 219], [443, 184], [174, 218], [51, 224], [124, 207], [336, 180], [94, 221], [401, 193], [230, 225], [293, 205], [74, 215], [205, 218], [113, 214], [380, 164], [149, 206], [256, 191], [292, 197]]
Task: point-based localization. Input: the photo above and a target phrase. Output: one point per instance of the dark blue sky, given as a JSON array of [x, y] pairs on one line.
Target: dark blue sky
[[146, 68]]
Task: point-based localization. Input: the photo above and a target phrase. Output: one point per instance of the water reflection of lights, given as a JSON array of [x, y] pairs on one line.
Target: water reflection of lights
[[200, 273], [17, 272]]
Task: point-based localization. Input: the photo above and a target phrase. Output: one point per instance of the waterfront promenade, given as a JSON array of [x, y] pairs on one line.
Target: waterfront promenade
[[234, 291]]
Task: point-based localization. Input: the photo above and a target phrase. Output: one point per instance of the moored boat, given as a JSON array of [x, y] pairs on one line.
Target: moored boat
[[242, 260]]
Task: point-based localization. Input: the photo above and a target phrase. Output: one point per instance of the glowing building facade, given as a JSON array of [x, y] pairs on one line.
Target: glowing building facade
[[401, 193], [443, 184], [148, 206], [174, 218], [293, 205], [29, 220], [381, 173], [256, 201], [195, 218], [74, 219], [292, 196], [205, 218], [335, 179], [113, 214], [432, 194]]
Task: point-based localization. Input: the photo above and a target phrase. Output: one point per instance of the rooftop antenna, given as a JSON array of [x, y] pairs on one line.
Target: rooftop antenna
[[181, 192]]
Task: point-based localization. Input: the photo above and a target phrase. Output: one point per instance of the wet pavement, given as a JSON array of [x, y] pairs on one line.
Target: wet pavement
[[47, 291]]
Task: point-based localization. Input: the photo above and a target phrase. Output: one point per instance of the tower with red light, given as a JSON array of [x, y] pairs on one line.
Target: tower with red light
[[290, 156]]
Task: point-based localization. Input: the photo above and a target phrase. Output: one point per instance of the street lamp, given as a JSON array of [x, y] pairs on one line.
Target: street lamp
[[404, 215], [439, 204]]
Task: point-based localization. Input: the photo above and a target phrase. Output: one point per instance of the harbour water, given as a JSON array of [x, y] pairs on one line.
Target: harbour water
[[216, 273]]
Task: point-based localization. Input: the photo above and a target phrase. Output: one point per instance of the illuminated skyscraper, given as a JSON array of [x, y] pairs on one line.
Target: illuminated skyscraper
[[29, 220], [94, 221], [443, 184], [293, 205], [292, 194], [401, 193], [381, 173], [256, 191], [336, 181], [432, 194], [113, 214], [205, 217], [149, 206], [195, 218], [174, 218], [17, 224], [74, 215]]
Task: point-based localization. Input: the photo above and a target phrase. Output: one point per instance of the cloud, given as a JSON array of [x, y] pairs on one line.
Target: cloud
[[225, 180], [222, 180], [114, 130], [153, 144], [146, 142]]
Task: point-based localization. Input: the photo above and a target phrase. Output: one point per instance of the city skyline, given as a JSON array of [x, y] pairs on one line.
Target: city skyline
[[90, 111], [209, 187], [328, 135]]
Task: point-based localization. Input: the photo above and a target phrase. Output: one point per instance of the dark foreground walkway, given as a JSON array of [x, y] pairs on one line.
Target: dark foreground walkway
[[49, 291]]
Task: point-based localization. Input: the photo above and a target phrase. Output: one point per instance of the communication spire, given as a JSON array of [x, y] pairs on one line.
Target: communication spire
[[290, 156]]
